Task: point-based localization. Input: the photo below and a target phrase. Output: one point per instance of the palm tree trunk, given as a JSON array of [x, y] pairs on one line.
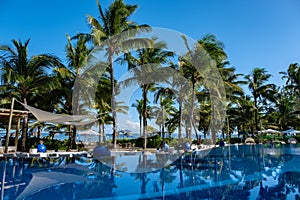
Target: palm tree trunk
[[141, 125], [213, 130], [195, 129], [163, 125], [192, 111], [101, 132], [256, 113], [113, 100], [39, 132], [72, 135], [204, 133], [145, 115], [24, 130], [73, 138], [180, 120]]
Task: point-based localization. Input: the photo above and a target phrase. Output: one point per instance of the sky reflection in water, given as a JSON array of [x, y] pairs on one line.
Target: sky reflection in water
[[244, 171]]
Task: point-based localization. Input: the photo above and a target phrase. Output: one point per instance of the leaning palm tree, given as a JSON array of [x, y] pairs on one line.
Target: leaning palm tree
[[108, 32], [25, 77], [261, 91]]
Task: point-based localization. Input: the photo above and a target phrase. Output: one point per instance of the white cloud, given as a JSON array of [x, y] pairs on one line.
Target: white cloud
[[131, 125]]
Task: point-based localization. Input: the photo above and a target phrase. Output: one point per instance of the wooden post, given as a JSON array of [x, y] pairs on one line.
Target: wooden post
[[17, 132], [9, 124]]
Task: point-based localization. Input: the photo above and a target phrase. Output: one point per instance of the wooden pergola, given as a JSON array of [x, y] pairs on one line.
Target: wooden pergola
[[10, 114]]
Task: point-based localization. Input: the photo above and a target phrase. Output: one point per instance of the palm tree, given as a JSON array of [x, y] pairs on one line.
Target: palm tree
[[77, 56], [242, 114], [195, 77], [165, 111], [139, 107], [176, 91], [284, 114], [215, 49], [147, 69], [262, 92], [108, 32], [233, 93], [102, 103], [293, 78], [26, 78], [205, 117]]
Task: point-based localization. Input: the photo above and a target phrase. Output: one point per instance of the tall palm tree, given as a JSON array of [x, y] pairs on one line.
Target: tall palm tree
[[262, 92], [195, 77], [25, 77], [208, 45], [147, 69], [102, 103], [77, 54], [216, 50], [233, 93], [114, 21]]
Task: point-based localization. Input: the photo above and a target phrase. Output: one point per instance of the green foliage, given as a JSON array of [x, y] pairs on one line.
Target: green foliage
[[235, 140], [152, 142]]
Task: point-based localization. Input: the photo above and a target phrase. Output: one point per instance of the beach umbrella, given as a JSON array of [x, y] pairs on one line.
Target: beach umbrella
[[125, 132], [292, 141], [291, 131], [88, 135], [250, 140], [268, 131]]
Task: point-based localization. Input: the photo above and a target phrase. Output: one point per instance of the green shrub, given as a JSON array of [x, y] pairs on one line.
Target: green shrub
[[152, 142], [235, 140]]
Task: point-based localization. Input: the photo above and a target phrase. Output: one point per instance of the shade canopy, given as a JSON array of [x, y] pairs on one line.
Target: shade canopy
[[43, 116], [43, 180]]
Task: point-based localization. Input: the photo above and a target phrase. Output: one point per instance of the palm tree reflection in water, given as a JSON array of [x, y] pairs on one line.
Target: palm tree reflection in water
[[251, 171]]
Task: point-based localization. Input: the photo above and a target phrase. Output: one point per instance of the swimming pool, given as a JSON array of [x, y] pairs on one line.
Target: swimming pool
[[237, 171]]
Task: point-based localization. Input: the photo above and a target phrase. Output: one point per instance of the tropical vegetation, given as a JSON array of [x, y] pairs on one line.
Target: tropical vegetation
[[46, 82]]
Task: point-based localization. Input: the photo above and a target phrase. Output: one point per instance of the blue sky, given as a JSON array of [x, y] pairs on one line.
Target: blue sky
[[256, 33]]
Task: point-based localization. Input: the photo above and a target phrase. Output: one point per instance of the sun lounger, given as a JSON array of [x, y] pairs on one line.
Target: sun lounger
[[11, 149]]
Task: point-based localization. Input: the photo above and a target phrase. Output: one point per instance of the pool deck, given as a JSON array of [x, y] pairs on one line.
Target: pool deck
[[113, 152]]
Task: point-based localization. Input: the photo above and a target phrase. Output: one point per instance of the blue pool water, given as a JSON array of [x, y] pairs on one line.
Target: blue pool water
[[235, 172]]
